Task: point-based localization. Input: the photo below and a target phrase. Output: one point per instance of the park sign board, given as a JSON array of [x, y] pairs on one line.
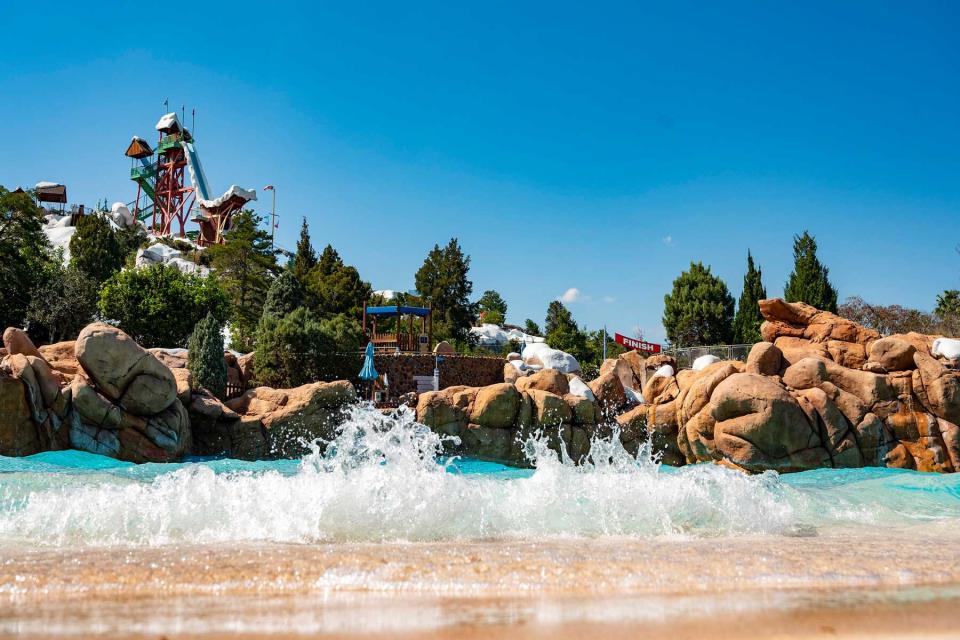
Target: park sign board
[[636, 345]]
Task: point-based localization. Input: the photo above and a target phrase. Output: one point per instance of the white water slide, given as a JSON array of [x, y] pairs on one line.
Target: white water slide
[[197, 175], [199, 180]]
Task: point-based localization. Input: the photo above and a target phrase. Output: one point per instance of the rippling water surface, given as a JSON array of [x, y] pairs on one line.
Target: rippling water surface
[[381, 511], [382, 480]]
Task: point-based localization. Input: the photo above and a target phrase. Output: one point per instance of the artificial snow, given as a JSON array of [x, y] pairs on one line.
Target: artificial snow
[[121, 215], [234, 191], [160, 253], [551, 358], [666, 371], [633, 395], [492, 335], [59, 236], [704, 361], [948, 348], [46, 185], [579, 388], [169, 121]]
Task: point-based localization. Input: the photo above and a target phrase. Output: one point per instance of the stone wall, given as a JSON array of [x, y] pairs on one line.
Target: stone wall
[[472, 371]]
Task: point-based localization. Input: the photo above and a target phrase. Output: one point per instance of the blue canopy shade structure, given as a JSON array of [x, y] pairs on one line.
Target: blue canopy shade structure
[[400, 322], [368, 372], [420, 312]]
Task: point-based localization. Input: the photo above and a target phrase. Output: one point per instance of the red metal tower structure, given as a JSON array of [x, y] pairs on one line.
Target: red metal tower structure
[[172, 200]]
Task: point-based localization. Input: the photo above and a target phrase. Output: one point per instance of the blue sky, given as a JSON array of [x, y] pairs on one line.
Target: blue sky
[[598, 148]]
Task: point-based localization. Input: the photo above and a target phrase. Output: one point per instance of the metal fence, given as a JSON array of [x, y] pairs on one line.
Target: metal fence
[[685, 357]]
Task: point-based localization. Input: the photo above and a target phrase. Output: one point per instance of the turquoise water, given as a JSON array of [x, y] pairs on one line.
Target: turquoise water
[[382, 479]]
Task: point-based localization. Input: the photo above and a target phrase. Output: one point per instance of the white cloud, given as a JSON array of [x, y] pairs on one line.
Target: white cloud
[[609, 299], [570, 295], [668, 240]]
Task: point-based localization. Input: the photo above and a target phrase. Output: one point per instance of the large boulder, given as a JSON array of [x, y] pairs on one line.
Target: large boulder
[[608, 391], [764, 359], [496, 406], [893, 354], [124, 371], [549, 409], [760, 426], [800, 320], [294, 417], [15, 341], [18, 432], [550, 380]]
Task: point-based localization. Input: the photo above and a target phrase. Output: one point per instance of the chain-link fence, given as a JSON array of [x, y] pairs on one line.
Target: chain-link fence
[[685, 357]]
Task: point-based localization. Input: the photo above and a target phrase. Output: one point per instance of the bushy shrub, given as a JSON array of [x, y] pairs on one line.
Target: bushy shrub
[[295, 349], [158, 306]]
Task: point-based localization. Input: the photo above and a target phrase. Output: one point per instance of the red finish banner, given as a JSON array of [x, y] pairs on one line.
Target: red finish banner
[[637, 345]]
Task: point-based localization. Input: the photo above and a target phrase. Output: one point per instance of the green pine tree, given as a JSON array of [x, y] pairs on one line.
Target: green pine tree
[[95, 249], [492, 307], [809, 281], [746, 324], [699, 309], [335, 288], [564, 334], [244, 265], [205, 357], [284, 295], [305, 258], [444, 280]]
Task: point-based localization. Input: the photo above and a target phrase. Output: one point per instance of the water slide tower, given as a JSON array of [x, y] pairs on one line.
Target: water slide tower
[[170, 199]]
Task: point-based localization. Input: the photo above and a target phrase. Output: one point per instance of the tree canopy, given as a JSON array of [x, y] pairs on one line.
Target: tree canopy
[[64, 304], [809, 281], [746, 324], [205, 356], [95, 248], [296, 348], [531, 328], [492, 307], [24, 255], [948, 303], [444, 280], [244, 265], [158, 306], [334, 287], [306, 258], [699, 309], [285, 295]]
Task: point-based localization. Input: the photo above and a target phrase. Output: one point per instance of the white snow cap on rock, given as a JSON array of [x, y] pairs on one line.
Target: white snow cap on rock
[[121, 215], [579, 388], [946, 347], [491, 335], [666, 371], [633, 395], [551, 358], [168, 121], [159, 253], [704, 361]]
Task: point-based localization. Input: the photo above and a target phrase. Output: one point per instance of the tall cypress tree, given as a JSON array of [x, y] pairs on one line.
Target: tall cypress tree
[[746, 324], [809, 282], [205, 356], [305, 258]]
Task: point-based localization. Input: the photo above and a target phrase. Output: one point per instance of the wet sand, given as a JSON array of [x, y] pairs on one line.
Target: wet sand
[[872, 584]]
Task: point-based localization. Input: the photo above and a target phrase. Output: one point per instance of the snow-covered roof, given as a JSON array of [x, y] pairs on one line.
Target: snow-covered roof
[[167, 122], [47, 185], [233, 192]]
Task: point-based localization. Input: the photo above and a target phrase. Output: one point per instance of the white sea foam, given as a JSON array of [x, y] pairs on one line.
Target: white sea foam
[[380, 480]]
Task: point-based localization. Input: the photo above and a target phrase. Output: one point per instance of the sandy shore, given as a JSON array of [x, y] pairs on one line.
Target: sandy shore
[[753, 587]]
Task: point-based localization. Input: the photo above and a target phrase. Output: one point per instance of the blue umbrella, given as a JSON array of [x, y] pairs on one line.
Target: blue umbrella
[[368, 372]]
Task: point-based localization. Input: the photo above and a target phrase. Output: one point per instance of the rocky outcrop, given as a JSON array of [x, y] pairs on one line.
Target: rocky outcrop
[[820, 391], [105, 394]]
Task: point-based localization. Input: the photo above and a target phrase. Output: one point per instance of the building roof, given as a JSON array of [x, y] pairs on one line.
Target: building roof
[[139, 148], [421, 312]]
